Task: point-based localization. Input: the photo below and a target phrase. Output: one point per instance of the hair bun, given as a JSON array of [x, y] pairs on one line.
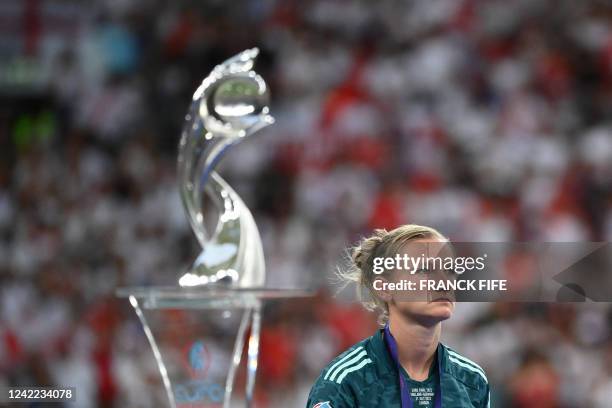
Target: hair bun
[[363, 252]]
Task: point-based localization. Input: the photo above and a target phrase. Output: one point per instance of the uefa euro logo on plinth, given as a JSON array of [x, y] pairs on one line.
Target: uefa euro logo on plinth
[[199, 327]]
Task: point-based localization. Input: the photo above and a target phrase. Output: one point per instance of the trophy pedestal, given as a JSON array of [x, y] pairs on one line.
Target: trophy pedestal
[[198, 336]]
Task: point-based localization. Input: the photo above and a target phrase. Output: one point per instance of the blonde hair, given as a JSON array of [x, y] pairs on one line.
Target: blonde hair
[[381, 243]]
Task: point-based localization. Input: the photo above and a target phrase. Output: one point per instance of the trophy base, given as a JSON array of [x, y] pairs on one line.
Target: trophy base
[[189, 330], [205, 297]]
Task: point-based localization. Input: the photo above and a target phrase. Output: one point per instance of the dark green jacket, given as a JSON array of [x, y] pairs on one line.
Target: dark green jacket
[[365, 376]]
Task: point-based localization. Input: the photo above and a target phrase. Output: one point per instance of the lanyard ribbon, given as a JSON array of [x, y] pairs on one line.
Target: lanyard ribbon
[[404, 386]]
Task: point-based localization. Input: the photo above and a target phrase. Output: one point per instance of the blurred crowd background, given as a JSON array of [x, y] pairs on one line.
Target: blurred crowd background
[[490, 120]]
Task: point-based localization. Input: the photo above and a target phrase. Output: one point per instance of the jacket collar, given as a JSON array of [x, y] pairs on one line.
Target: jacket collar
[[385, 363]]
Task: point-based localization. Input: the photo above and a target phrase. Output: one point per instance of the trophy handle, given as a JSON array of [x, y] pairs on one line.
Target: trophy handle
[[229, 105]]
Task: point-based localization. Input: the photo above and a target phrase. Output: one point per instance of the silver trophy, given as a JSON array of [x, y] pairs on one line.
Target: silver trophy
[[198, 328]]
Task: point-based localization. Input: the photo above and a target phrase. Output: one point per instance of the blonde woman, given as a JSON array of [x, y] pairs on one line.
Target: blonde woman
[[403, 364]]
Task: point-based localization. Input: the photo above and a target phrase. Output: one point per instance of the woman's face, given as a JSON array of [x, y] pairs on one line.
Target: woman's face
[[426, 302]]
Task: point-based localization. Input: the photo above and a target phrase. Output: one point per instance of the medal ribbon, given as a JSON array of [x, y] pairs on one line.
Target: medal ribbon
[[404, 386]]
